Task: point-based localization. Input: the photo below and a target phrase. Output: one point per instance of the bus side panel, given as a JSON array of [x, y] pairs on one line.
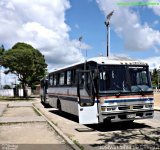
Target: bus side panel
[[53, 101], [67, 98], [69, 106]]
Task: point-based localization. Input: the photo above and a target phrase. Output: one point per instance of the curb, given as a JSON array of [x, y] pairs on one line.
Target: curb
[[67, 139], [157, 108]]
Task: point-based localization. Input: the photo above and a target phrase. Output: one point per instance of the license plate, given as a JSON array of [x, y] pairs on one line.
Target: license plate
[[131, 116]]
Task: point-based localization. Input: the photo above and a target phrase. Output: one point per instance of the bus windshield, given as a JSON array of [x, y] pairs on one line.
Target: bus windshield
[[121, 78]]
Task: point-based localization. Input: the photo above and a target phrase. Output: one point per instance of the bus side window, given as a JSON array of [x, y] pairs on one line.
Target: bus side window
[[55, 80], [51, 80], [68, 77], [73, 76], [82, 80], [61, 78]]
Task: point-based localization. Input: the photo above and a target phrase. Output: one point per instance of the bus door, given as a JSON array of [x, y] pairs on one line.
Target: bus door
[[87, 107]]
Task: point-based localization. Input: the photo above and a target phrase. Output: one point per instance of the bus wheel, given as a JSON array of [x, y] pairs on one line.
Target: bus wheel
[[59, 107], [41, 99]]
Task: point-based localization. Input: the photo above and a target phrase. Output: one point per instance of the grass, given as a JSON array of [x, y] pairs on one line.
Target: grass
[[56, 124], [78, 144], [6, 98], [36, 111]]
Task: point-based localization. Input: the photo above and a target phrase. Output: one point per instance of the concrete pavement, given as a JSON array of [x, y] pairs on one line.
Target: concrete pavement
[[157, 101], [28, 126], [2, 108]]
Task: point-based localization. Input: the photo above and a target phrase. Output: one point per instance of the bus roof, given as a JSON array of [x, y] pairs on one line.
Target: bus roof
[[107, 61], [116, 61]]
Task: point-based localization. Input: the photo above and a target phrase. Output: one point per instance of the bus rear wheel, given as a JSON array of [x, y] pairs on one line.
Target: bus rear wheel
[[59, 107]]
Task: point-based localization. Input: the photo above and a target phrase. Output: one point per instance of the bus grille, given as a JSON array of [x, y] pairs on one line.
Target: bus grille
[[138, 107], [130, 107], [123, 107]]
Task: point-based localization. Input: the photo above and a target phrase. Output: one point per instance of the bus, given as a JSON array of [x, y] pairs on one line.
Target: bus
[[101, 89]]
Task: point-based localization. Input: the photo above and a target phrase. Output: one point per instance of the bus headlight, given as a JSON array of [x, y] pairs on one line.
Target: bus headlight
[[103, 108], [111, 108]]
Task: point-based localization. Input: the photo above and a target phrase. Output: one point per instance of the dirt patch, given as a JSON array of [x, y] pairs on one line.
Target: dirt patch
[[157, 99], [20, 112]]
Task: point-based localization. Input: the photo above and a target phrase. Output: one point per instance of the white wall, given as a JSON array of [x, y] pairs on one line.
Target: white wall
[[9, 92], [6, 92]]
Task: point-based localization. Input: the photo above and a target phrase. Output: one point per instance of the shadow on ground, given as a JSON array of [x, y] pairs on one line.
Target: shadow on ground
[[103, 127], [65, 115], [134, 135]]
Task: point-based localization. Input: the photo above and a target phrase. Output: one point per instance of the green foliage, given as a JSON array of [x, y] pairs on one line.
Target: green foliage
[[26, 62], [154, 77], [6, 86], [2, 50]]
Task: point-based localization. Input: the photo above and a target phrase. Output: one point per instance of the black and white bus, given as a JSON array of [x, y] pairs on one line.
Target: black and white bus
[[100, 89]]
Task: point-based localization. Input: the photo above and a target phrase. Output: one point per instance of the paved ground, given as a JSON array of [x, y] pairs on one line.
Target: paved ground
[[144, 133], [36, 130], [157, 100], [21, 124]]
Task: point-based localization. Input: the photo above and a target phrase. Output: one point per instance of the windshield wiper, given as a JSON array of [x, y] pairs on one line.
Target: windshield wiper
[[119, 93], [142, 91]]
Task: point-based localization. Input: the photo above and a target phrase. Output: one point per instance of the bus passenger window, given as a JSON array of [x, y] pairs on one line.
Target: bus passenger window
[[82, 80], [55, 80], [51, 80], [61, 79], [68, 77]]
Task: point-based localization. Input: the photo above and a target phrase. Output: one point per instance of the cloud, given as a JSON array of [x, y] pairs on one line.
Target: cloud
[[42, 24], [155, 8], [153, 62], [9, 79], [127, 24]]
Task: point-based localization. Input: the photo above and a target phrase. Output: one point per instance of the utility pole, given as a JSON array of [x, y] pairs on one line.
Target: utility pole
[[80, 40], [107, 23]]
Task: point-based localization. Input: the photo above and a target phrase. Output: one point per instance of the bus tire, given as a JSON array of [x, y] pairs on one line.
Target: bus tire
[[41, 99], [59, 107]]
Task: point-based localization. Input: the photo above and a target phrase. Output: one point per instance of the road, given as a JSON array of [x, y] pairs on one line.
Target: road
[[143, 134]]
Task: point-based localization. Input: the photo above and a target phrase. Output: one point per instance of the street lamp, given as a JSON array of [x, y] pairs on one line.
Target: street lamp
[[80, 40], [107, 23]]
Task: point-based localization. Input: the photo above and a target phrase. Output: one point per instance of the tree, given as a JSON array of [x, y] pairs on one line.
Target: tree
[[154, 77], [2, 50], [26, 62], [6, 86]]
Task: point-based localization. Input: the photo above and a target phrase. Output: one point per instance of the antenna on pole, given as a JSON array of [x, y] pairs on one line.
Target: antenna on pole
[[107, 23]]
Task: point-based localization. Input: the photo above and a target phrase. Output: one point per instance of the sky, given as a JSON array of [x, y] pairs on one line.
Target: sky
[[54, 27]]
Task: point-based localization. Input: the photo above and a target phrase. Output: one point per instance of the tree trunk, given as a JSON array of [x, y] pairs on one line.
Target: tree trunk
[[24, 90]]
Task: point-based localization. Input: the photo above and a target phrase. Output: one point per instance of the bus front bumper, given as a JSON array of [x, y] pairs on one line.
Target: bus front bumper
[[126, 116]]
